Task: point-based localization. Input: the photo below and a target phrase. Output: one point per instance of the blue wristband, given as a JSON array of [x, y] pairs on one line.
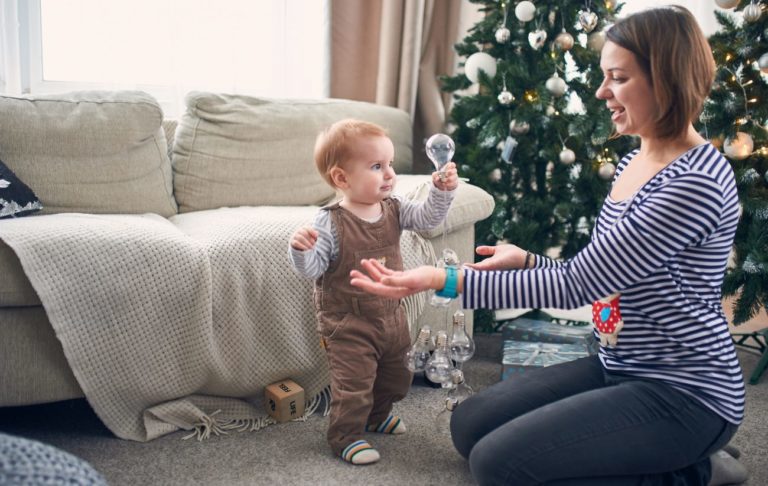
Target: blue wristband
[[449, 291]]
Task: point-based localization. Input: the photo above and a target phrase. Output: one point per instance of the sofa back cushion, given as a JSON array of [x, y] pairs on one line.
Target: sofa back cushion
[[233, 150], [89, 151]]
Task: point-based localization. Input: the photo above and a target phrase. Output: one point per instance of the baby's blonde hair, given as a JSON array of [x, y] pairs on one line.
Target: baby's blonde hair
[[332, 147]]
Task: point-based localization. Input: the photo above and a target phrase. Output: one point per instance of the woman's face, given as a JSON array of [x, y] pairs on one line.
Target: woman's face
[[627, 92]]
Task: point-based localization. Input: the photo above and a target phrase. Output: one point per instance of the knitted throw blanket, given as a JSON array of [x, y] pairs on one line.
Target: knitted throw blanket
[[181, 323]]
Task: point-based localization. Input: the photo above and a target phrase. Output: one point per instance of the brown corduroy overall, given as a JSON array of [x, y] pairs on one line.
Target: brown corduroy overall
[[365, 337]]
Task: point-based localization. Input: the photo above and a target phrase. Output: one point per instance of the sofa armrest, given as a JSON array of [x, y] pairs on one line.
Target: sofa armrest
[[470, 205]]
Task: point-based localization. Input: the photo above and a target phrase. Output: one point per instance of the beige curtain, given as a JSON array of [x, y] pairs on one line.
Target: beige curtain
[[391, 52]]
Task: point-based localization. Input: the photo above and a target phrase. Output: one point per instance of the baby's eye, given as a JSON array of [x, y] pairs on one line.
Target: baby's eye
[[376, 167]]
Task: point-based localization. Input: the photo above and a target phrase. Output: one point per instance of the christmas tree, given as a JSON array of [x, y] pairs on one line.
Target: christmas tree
[[527, 126], [735, 118]]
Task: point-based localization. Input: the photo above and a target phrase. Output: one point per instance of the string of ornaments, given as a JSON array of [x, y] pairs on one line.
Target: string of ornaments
[[525, 11]]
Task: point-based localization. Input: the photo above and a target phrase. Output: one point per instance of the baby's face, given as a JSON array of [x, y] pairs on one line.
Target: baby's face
[[370, 174]]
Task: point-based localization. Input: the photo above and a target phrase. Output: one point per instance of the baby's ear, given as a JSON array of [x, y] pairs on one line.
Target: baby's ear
[[338, 177]]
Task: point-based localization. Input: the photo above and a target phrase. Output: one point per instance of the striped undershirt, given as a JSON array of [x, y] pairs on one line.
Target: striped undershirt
[[414, 215], [665, 249]]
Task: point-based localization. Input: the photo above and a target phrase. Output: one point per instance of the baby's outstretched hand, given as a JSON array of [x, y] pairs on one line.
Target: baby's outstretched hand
[[304, 239], [447, 179]]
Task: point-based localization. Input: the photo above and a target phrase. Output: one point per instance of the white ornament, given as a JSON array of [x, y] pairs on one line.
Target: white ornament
[[752, 13], [495, 175], [738, 149], [550, 110], [606, 171], [567, 156], [596, 41], [556, 85], [588, 20], [726, 3], [763, 63], [502, 35], [519, 127], [537, 38], [524, 11], [505, 98], [564, 41], [479, 61]]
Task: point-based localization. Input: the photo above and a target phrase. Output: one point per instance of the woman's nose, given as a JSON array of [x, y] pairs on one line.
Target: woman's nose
[[602, 92]]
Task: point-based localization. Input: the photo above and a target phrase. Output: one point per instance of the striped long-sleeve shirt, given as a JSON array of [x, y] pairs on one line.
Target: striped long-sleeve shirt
[[414, 215], [665, 250]]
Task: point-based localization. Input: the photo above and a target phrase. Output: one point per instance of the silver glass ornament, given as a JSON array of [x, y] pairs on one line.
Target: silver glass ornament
[[506, 98], [564, 41], [567, 156], [518, 127], [502, 35], [752, 13], [587, 20]]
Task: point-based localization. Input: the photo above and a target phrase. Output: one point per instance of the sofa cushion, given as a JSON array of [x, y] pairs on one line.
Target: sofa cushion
[[233, 150], [16, 198], [15, 288], [471, 204], [89, 151]]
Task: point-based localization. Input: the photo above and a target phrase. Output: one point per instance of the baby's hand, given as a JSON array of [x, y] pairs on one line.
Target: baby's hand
[[447, 179], [304, 239]]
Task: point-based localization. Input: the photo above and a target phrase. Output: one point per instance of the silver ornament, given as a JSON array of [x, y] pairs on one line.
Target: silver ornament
[[564, 41], [752, 13], [524, 11], [588, 20], [495, 175], [606, 171], [505, 97], [502, 35], [567, 156], [740, 148], [556, 85], [596, 41], [726, 3], [519, 127], [537, 38], [763, 63]]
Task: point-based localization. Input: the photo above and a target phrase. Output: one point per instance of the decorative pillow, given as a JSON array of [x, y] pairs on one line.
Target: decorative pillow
[[16, 199], [236, 150]]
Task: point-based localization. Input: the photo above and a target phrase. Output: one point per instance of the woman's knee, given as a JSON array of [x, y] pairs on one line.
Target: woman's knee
[[463, 428]]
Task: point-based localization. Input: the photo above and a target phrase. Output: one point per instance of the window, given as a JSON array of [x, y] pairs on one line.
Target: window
[[274, 48]]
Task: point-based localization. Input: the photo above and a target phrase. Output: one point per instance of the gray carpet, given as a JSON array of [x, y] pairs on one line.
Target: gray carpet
[[296, 453]]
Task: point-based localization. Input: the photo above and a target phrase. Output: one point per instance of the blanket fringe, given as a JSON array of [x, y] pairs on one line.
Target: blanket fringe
[[210, 425]]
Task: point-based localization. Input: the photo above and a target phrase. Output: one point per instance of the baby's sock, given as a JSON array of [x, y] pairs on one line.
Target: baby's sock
[[726, 469], [392, 425], [360, 452]]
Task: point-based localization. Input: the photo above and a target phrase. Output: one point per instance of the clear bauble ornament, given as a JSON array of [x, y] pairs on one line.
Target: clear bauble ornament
[[506, 98], [439, 366], [503, 35], [524, 11], [567, 156], [440, 149], [461, 344], [739, 148], [606, 171], [587, 20], [556, 85], [564, 41], [537, 38], [416, 358], [459, 388]]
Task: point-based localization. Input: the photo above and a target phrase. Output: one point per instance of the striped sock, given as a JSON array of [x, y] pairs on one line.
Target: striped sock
[[392, 425], [360, 452]]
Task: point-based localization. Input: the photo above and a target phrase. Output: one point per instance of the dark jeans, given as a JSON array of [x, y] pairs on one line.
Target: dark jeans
[[574, 423]]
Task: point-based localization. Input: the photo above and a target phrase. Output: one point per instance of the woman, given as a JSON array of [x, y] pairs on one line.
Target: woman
[[666, 394]]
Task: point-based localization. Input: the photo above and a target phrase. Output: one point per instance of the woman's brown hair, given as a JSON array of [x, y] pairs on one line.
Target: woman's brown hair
[[675, 55]]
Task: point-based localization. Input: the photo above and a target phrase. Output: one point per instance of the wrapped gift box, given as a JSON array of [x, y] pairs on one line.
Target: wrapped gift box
[[545, 331], [519, 356]]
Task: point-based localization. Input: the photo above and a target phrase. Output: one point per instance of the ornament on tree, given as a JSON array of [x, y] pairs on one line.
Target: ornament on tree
[[495, 175], [740, 148], [550, 110], [564, 41], [606, 171], [752, 13], [479, 61], [502, 35], [762, 63], [587, 20], [596, 41], [537, 38], [726, 3], [519, 127], [567, 156], [556, 85], [509, 149], [524, 11], [505, 97]]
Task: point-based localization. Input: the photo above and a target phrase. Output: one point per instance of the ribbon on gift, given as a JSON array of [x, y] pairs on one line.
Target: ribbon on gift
[[548, 353]]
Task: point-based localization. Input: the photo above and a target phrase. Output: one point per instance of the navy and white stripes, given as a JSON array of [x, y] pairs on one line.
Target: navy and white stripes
[[665, 249]]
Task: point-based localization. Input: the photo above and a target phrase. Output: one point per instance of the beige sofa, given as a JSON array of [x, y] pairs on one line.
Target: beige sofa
[[113, 153]]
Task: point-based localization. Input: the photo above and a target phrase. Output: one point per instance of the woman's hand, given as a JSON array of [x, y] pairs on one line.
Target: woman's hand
[[502, 257], [382, 281]]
